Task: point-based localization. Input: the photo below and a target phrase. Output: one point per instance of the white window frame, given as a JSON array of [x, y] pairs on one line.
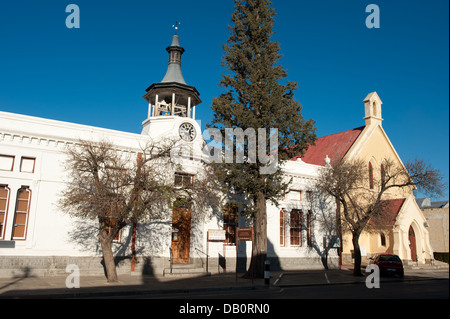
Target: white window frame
[[287, 228]]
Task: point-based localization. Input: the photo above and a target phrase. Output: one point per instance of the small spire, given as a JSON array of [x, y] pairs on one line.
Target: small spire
[[175, 41], [175, 51]]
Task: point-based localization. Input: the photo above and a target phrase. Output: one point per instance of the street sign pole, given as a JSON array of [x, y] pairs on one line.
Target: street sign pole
[[207, 250], [237, 248]]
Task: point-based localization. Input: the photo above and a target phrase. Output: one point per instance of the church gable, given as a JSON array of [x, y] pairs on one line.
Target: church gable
[[369, 142], [374, 146]]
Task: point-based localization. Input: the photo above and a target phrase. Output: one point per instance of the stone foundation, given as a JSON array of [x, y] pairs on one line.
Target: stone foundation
[[28, 266]]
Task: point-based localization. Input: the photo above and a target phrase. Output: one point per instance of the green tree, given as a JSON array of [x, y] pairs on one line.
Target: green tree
[[255, 96]]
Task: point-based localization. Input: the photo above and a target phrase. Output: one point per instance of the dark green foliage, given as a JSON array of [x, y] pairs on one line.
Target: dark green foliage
[[256, 95]]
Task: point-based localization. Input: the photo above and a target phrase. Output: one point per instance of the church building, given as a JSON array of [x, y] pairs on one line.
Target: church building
[[406, 230]]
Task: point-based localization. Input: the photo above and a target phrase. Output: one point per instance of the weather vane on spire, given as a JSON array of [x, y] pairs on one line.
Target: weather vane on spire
[[175, 26]]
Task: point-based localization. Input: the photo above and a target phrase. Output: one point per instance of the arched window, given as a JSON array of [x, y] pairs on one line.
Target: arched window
[[383, 175], [383, 239], [21, 215], [4, 200], [309, 229], [374, 109], [370, 176], [282, 227]]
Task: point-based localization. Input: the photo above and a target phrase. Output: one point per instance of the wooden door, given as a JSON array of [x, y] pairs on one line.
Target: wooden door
[[181, 235], [412, 243]]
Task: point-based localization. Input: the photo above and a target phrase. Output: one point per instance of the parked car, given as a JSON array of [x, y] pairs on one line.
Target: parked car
[[388, 264]]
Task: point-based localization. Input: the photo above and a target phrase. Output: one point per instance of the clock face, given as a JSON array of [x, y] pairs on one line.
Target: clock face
[[187, 132]]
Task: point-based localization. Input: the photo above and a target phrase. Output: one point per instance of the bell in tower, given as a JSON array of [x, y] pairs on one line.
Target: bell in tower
[[172, 96]]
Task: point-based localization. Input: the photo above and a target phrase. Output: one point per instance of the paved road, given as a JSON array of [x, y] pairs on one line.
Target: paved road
[[423, 289], [279, 302]]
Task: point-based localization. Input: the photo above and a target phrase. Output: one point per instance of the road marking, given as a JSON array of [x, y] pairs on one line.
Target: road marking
[[278, 279], [326, 277]]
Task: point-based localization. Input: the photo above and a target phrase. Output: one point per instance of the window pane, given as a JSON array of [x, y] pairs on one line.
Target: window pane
[[2, 222], [178, 180], [6, 162], [22, 205], [23, 195], [294, 195], [183, 180], [19, 231], [21, 219], [309, 238], [187, 181], [27, 165], [295, 227], [2, 204], [229, 224], [21, 213], [3, 192], [294, 237], [4, 195]]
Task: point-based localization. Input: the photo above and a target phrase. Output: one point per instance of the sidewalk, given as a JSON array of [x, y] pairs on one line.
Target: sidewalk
[[134, 285]]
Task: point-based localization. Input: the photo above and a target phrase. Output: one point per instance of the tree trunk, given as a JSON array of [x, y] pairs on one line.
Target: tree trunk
[[259, 245], [133, 247], [357, 252], [108, 259]]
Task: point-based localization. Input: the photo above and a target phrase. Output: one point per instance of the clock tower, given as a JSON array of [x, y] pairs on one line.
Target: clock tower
[[172, 102]]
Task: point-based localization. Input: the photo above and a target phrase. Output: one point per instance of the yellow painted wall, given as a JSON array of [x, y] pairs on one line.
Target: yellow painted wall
[[374, 146]]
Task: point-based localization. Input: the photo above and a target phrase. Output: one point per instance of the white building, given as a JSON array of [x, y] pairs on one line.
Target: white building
[[37, 237]]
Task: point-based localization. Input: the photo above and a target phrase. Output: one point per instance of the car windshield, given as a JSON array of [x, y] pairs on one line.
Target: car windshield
[[389, 258]]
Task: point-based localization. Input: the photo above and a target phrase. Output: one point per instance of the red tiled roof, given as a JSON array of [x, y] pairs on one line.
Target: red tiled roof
[[334, 145], [390, 211]]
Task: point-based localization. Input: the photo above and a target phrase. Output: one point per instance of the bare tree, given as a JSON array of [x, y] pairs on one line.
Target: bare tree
[[119, 188], [359, 202]]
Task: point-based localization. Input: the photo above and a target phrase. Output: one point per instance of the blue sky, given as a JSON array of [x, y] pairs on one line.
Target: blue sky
[[97, 74]]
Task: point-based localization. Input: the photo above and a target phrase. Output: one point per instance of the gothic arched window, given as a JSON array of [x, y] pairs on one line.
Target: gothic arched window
[[383, 239], [370, 175]]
